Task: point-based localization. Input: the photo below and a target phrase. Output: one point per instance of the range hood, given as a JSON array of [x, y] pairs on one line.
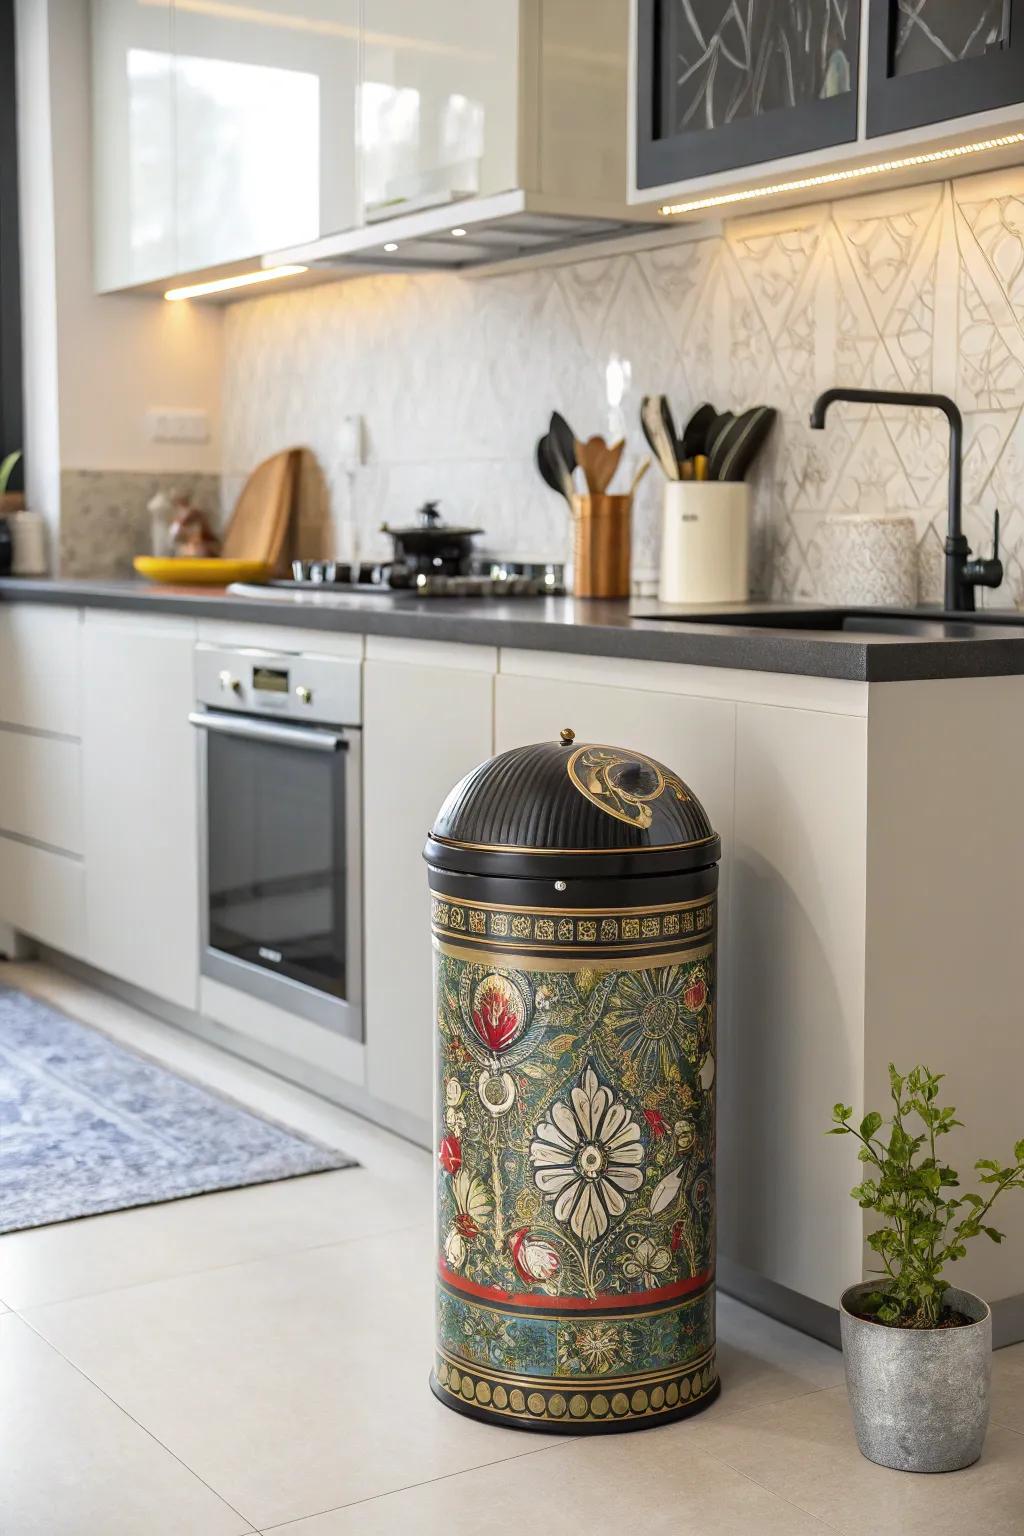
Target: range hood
[[474, 232]]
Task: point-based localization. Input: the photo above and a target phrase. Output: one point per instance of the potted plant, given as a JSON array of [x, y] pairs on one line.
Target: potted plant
[[10, 501], [917, 1351]]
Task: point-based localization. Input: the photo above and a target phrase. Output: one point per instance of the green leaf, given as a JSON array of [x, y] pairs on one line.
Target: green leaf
[[869, 1125], [993, 1233], [1018, 1151], [7, 469], [841, 1111]]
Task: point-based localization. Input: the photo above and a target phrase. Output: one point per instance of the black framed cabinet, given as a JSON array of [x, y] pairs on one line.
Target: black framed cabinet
[[932, 60], [722, 84]]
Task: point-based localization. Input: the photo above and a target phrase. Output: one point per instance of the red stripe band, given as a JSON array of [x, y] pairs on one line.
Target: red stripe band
[[603, 1303]]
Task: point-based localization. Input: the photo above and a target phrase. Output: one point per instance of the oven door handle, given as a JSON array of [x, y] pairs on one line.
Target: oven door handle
[[302, 736]]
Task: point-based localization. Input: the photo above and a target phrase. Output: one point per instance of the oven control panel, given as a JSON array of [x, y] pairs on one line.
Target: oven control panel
[[325, 689]]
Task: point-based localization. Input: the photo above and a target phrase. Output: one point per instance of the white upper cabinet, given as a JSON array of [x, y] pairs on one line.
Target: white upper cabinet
[[133, 142], [437, 101], [264, 125], [220, 132], [307, 130]]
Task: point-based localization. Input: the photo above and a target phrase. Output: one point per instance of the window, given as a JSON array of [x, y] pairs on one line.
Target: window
[[10, 282]]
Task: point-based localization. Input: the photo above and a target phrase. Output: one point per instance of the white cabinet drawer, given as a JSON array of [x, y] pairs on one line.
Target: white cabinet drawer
[[41, 788], [43, 894], [39, 667]]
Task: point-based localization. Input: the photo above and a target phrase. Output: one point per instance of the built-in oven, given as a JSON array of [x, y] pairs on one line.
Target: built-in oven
[[281, 808]]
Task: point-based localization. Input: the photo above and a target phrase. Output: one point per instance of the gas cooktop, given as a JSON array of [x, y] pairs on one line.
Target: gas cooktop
[[324, 579]]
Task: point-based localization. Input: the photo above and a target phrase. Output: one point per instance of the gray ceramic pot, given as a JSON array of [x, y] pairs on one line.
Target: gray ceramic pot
[[920, 1396]]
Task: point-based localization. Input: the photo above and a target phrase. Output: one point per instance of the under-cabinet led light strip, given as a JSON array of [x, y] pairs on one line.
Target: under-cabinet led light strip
[[830, 178], [222, 284]]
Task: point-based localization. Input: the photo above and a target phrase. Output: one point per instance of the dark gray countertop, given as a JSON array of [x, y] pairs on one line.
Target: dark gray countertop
[[583, 627]]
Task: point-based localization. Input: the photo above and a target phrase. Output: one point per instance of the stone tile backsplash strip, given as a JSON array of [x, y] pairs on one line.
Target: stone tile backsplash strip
[[104, 517], [454, 377]]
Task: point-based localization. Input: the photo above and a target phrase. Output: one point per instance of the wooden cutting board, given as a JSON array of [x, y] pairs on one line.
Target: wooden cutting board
[[261, 522]]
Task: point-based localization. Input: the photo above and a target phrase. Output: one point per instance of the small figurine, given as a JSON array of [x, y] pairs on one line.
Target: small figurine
[[191, 534]]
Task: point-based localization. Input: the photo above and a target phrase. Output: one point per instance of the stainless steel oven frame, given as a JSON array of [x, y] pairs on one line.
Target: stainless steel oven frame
[[344, 1016]]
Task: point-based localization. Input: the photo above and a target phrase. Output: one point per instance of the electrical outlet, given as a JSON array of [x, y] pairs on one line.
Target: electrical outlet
[[172, 424], [351, 442]]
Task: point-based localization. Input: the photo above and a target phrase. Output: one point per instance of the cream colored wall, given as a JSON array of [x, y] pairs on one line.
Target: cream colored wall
[[945, 924], [94, 365]]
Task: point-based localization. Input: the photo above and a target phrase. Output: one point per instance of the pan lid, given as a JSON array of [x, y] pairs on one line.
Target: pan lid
[[429, 523], [565, 807]]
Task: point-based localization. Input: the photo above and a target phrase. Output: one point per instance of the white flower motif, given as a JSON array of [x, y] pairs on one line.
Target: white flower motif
[[586, 1156], [647, 1261]]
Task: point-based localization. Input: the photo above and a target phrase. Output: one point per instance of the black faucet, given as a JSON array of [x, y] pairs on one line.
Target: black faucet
[[962, 573]]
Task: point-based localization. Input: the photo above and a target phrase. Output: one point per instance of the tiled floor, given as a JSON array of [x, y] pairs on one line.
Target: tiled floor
[[257, 1361]]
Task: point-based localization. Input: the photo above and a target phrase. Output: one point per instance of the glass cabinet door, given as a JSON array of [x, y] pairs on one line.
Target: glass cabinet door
[[721, 85], [932, 60]]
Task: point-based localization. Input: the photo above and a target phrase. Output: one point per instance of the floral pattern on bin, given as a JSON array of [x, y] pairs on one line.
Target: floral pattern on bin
[[576, 1144]]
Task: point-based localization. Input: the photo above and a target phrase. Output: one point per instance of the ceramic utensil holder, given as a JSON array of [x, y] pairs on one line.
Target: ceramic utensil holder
[[705, 542], [868, 559], [28, 531], [602, 528]]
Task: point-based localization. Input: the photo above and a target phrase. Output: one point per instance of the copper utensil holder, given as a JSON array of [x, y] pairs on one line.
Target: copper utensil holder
[[602, 529]]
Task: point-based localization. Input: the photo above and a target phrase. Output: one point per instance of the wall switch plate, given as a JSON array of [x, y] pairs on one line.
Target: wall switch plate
[[352, 442], [167, 424]]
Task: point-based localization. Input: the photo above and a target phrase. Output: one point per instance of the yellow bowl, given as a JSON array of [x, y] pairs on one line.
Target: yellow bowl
[[189, 572]]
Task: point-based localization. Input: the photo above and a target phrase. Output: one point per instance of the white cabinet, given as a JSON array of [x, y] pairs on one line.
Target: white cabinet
[[794, 953], [41, 887], [264, 125], [437, 100], [132, 142], [427, 720], [219, 132], [140, 803], [39, 667]]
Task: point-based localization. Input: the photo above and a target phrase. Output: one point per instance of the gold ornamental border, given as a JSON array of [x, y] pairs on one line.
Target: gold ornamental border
[[618, 911], [607, 930], [662, 1373], [581, 959], [561, 853], [582, 1402]]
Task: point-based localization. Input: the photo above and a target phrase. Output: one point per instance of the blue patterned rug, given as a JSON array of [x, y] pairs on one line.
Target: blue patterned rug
[[88, 1126]]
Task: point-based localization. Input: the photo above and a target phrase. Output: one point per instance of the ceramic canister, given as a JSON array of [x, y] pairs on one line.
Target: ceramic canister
[[705, 542], [868, 559], [574, 926]]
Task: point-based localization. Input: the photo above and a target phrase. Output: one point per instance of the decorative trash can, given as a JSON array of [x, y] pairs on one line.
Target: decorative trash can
[[574, 920]]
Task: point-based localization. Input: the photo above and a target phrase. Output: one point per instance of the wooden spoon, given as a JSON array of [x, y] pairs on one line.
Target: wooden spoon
[[599, 461]]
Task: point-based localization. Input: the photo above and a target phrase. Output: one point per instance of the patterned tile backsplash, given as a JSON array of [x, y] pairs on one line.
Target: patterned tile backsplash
[[921, 288]]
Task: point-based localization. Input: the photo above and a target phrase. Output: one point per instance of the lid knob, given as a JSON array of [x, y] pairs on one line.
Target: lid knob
[[567, 736]]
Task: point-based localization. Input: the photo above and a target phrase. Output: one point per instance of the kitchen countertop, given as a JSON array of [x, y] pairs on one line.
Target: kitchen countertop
[[592, 627]]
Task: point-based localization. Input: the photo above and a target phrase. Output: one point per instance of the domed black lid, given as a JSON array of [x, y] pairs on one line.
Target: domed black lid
[[603, 810]]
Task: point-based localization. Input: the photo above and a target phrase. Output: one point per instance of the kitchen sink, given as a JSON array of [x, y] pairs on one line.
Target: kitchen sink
[[922, 624]]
